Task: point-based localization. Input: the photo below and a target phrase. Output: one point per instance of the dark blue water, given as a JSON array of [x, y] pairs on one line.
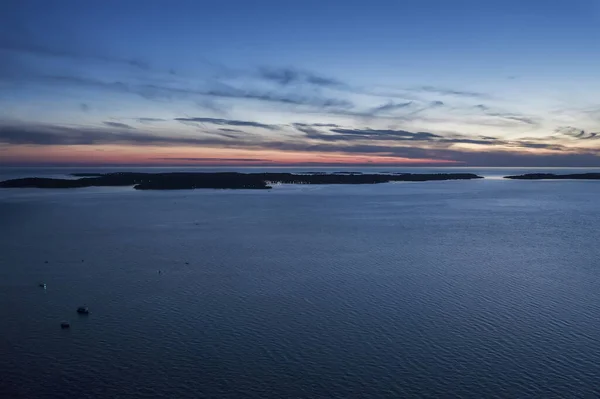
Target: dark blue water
[[486, 288]]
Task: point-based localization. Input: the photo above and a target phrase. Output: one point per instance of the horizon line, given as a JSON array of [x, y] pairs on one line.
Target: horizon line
[[271, 165]]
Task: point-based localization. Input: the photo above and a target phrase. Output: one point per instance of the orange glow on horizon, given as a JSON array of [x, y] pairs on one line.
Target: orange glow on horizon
[[119, 155]]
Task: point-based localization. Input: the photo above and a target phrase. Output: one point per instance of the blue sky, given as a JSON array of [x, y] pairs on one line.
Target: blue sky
[[499, 83]]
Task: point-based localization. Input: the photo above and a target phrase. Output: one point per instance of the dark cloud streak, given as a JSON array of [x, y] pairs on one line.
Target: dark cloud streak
[[353, 135], [58, 135], [508, 116], [390, 106], [446, 91], [513, 117], [227, 122], [118, 125], [230, 130], [150, 120], [215, 159], [289, 76], [577, 133], [387, 134]]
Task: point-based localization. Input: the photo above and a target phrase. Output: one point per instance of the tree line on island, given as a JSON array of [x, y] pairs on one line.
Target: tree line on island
[[235, 180]]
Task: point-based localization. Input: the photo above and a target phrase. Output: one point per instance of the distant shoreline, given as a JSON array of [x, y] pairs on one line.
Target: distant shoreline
[[254, 181], [222, 180], [552, 176]]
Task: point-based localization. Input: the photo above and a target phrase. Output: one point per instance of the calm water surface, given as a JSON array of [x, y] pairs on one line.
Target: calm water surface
[[484, 288]]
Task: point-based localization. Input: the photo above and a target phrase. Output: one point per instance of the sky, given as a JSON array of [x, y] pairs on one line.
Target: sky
[[406, 82]]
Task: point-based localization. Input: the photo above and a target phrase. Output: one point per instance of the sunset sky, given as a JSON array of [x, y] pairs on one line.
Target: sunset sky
[[413, 82]]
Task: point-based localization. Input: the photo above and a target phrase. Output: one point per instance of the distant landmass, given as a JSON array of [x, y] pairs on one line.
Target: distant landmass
[[221, 180], [552, 176]]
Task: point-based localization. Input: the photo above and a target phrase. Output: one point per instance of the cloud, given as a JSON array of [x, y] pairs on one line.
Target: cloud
[[234, 134], [118, 125], [23, 46], [412, 112], [486, 110], [165, 92], [391, 106], [215, 159], [150, 120], [58, 135], [292, 99], [227, 122], [391, 135], [230, 130], [316, 124], [153, 92], [452, 92], [577, 133], [215, 87], [212, 105], [570, 131], [289, 76], [386, 134], [415, 113], [514, 117], [479, 141], [20, 135], [87, 82], [310, 131], [546, 146], [471, 158], [44, 135]]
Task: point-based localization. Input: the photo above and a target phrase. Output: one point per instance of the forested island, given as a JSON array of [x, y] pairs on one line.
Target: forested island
[[552, 176], [222, 180]]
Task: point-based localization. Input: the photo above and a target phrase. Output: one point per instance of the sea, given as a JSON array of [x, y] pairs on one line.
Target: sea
[[485, 288]]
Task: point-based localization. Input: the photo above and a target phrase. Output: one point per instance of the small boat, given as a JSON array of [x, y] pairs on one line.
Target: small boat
[[43, 285], [65, 325], [83, 310]]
